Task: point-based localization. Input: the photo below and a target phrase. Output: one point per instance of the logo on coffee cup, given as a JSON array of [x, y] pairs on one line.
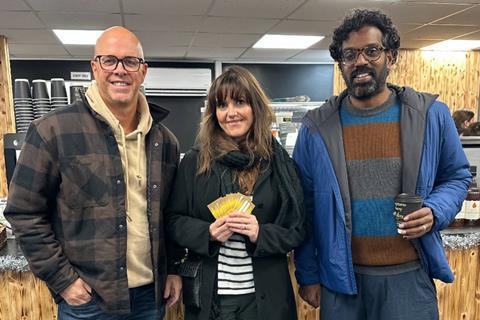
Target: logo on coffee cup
[[406, 203], [399, 206]]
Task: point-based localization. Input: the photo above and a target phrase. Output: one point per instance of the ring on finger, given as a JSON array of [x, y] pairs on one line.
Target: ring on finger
[[245, 226], [424, 228]]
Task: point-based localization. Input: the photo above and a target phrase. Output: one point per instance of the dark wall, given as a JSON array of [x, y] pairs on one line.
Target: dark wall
[[289, 80], [47, 69], [183, 119]]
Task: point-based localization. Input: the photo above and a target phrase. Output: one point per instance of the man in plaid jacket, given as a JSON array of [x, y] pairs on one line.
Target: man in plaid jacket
[[87, 196]]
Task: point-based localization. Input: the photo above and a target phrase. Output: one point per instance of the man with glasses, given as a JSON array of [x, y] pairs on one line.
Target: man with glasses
[[88, 192], [356, 154]]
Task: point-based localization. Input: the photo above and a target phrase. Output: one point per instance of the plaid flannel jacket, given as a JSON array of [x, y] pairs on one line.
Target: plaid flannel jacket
[[66, 203]]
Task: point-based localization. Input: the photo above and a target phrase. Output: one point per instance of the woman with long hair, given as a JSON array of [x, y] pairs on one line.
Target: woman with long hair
[[463, 118], [244, 268]]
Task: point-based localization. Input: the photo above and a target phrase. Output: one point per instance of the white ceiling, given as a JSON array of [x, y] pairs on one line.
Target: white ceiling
[[222, 29]]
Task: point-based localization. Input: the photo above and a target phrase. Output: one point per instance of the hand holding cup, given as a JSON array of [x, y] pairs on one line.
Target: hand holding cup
[[413, 220]]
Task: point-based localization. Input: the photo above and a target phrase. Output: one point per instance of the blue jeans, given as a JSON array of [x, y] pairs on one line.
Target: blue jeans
[[142, 304]]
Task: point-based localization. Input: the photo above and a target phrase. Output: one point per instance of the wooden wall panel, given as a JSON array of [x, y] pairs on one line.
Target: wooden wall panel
[[7, 118], [22, 296], [461, 299], [25, 297], [304, 310], [454, 76]]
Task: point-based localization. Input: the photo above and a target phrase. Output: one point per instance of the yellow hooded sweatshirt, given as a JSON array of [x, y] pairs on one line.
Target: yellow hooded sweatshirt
[[134, 161]]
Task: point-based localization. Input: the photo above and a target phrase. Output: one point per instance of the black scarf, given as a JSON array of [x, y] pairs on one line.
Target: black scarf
[[285, 178], [284, 174]]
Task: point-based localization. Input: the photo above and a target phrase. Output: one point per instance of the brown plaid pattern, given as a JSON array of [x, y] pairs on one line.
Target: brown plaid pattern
[[67, 203]]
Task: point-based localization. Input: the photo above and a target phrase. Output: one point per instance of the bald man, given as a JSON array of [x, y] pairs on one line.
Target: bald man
[[87, 196]]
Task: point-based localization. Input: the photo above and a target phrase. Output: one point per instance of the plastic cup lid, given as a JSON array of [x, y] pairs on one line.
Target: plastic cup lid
[[408, 198]]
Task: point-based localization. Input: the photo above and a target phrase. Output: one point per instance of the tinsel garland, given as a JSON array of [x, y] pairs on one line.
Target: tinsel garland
[[15, 264], [461, 241]]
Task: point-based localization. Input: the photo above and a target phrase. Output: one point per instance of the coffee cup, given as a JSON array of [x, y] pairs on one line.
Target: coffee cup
[[57, 88], [406, 203], [40, 89], [22, 89]]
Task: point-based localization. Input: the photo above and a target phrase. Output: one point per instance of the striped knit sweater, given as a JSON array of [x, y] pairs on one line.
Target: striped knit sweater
[[372, 151]]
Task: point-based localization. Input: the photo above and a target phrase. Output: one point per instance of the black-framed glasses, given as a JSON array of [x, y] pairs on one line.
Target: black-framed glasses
[[110, 63], [371, 54]]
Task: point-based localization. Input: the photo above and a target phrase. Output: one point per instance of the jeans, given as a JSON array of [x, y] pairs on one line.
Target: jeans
[[142, 304]]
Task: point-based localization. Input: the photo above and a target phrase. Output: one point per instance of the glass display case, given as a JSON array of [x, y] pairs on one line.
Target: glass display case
[[288, 118]]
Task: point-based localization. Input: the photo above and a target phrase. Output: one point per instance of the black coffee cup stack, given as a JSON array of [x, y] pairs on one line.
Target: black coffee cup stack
[[406, 203], [22, 100], [41, 99], [58, 93]]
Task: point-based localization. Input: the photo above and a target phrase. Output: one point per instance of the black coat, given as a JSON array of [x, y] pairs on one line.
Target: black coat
[[188, 221]]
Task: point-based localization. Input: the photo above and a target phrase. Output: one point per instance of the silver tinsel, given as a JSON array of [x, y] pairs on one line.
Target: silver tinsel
[[461, 241], [15, 264], [457, 241]]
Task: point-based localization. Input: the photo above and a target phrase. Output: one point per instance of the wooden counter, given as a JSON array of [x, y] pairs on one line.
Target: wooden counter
[[460, 300], [24, 297]]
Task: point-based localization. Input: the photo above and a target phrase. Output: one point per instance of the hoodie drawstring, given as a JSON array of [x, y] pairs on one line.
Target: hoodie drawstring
[[139, 149], [124, 143]]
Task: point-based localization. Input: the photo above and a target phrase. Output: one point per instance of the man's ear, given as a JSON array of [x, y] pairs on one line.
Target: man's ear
[[94, 67], [390, 58]]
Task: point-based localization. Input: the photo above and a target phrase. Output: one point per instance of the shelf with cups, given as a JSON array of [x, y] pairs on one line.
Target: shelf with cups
[[41, 97]]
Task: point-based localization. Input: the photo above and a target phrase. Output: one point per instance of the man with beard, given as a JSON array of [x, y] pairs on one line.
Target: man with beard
[[356, 154]]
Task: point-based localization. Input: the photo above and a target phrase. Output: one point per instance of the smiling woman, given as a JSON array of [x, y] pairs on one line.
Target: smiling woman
[[235, 117], [243, 254]]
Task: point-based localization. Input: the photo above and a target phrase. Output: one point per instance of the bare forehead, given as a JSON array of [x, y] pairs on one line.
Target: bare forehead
[[367, 35], [119, 43]]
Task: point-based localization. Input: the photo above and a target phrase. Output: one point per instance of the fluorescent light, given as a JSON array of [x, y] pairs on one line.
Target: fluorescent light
[[279, 41], [85, 37], [454, 45]]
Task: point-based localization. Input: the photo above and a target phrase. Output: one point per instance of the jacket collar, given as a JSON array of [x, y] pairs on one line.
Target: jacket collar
[[159, 113], [410, 98]]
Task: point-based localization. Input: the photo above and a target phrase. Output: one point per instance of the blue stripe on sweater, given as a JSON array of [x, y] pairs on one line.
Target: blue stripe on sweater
[[392, 114], [373, 217]]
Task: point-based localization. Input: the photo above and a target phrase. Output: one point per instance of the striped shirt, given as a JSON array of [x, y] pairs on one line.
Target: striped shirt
[[235, 270], [372, 152]]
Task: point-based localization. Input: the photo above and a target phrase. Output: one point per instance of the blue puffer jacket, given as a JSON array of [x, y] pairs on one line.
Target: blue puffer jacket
[[433, 166]]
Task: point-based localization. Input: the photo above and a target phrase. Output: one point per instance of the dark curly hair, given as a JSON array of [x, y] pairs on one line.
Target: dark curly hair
[[356, 20]]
